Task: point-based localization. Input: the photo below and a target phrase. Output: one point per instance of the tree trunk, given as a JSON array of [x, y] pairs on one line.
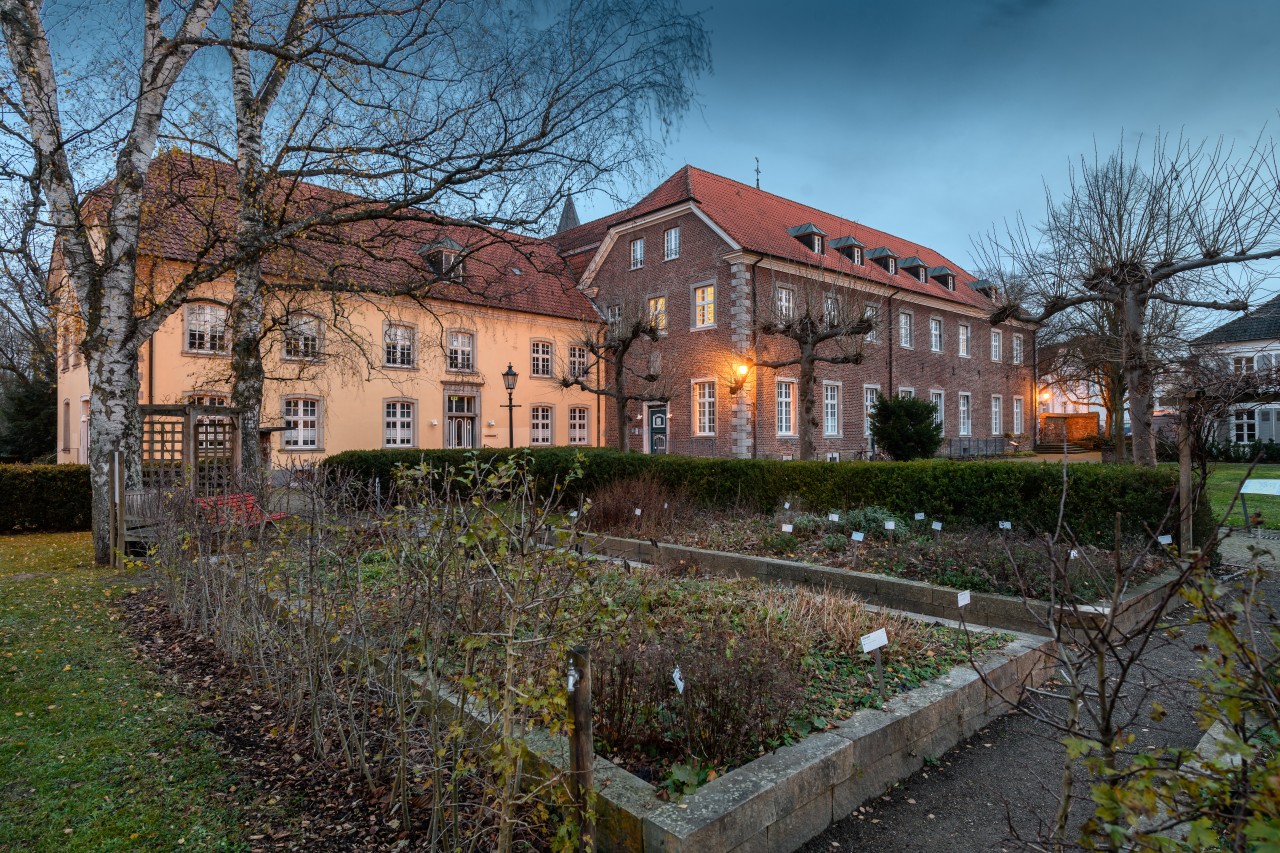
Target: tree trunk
[[807, 418], [247, 308], [1137, 376], [117, 425], [1115, 412], [620, 406]]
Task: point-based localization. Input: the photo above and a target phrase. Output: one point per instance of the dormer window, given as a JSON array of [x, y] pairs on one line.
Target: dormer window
[[885, 257], [917, 268], [850, 247], [943, 276], [811, 235], [445, 259], [985, 287]]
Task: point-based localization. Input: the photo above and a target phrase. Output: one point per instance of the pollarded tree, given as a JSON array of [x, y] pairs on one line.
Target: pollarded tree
[[1185, 227], [822, 325]]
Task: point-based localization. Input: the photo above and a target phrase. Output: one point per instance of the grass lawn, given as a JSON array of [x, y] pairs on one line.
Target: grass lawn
[[1225, 478], [95, 753]]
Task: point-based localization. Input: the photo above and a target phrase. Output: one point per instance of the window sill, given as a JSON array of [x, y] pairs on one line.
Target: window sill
[[301, 449], [676, 258], [702, 328], [200, 353], [399, 367]]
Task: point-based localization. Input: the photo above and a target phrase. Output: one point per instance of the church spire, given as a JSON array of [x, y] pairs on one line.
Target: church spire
[[568, 216]]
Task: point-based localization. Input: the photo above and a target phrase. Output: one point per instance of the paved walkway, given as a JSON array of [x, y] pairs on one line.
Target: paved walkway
[[1002, 783]]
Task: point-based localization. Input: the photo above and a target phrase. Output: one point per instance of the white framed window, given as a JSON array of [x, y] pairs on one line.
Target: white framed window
[[831, 394], [831, 310], [658, 312], [1016, 343], [1242, 364], [462, 352], [577, 361], [997, 414], [206, 328], [997, 345], [893, 266], [786, 400], [613, 316], [578, 418], [1018, 423], [939, 400], [539, 425], [399, 343], [962, 340], [540, 358], [1246, 426], [870, 396], [922, 274], [637, 253], [704, 306], [907, 393], [397, 423], [445, 263], [935, 334], [302, 337], [906, 324], [704, 407], [301, 423], [785, 303], [872, 313], [966, 414], [671, 244]]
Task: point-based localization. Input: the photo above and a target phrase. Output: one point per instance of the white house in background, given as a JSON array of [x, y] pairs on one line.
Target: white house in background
[[1249, 343]]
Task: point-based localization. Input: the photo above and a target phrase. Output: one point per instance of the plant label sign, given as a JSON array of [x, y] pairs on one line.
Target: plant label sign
[[962, 598], [1166, 539], [890, 525], [678, 680], [637, 510], [573, 677], [1006, 525], [787, 505], [833, 516], [875, 640], [919, 516], [666, 505], [937, 525], [857, 536], [787, 528], [573, 513], [1074, 554]]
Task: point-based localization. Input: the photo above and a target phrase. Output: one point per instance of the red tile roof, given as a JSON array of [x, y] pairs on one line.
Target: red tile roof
[[758, 221], [189, 213]]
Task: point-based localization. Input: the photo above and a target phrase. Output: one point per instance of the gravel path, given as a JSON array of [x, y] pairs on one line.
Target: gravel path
[[1001, 784]]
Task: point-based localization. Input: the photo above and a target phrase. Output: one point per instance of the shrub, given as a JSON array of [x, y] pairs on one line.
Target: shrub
[[44, 498], [614, 505], [806, 523], [906, 428], [868, 519], [834, 542]]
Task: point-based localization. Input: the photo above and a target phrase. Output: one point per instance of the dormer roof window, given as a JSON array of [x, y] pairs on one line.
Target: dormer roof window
[[944, 276], [850, 247], [443, 258], [916, 267], [885, 257], [986, 288], [811, 235]]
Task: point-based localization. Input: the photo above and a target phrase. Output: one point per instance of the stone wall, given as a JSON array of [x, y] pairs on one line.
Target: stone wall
[[1060, 428]]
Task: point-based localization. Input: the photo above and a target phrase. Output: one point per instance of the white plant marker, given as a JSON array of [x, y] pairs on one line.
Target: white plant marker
[[678, 679], [890, 525], [573, 513], [1074, 553], [787, 528], [787, 505], [871, 643], [833, 516], [919, 516], [1006, 525], [1166, 539], [573, 677], [637, 510], [962, 598], [937, 525], [857, 536], [666, 505]]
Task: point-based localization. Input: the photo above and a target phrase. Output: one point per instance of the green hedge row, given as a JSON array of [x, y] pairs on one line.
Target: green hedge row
[[970, 493], [44, 498]]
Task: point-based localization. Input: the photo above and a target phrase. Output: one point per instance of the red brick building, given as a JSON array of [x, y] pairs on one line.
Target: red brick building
[[716, 260]]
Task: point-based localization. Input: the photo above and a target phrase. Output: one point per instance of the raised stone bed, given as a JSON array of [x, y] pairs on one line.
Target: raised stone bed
[[997, 611]]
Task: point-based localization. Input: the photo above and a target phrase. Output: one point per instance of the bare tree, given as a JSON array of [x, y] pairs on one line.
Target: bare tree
[[1185, 227], [824, 325], [612, 351]]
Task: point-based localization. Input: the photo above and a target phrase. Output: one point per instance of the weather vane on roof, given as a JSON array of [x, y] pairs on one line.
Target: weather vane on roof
[[757, 173]]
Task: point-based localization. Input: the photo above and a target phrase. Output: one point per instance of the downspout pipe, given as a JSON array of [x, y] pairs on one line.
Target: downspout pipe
[[890, 326], [755, 358]]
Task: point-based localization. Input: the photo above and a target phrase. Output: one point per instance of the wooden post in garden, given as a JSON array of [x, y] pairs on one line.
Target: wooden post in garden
[[581, 743], [1119, 559], [117, 510]]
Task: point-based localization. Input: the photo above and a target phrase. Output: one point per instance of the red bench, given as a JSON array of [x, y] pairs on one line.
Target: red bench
[[240, 510]]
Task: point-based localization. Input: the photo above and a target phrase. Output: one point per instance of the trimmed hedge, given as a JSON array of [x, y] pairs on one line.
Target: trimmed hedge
[[44, 498], [967, 493]]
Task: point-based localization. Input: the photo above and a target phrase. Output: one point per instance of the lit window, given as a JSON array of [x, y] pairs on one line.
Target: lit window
[[830, 408], [206, 328], [658, 312], [704, 306], [671, 244], [302, 337], [397, 428], [637, 253], [577, 362], [870, 396], [966, 415], [786, 304], [301, 423], [905, 325], [540, 425], [1017, 349], [938, 398], [462, 351], [400, 342], [996, 344], [962, 338], [997, 415], [540, 358], [786, 407], [578, 425], [1017, 416], [935, 334], [704, 407]]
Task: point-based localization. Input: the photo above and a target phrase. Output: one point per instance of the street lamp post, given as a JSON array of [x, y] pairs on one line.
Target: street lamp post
[[509, 377]]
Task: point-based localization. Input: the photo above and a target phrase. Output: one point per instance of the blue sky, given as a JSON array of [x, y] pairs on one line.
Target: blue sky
[[932, 119]]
